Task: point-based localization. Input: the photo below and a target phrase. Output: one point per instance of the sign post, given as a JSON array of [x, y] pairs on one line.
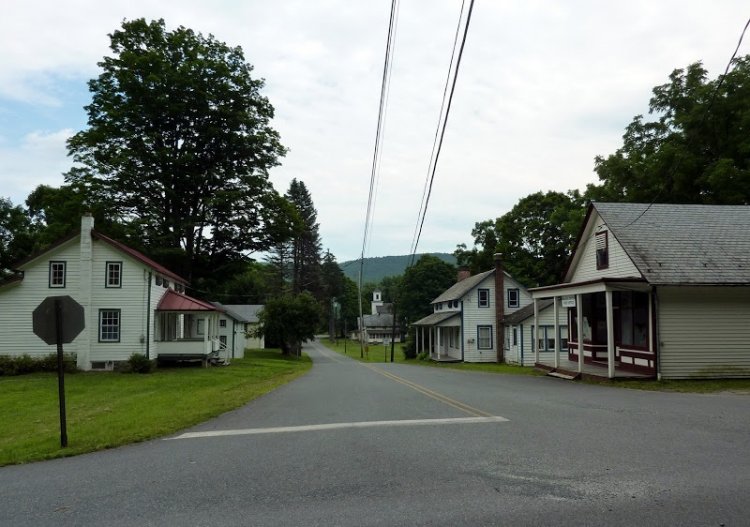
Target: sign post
[[58, 320]]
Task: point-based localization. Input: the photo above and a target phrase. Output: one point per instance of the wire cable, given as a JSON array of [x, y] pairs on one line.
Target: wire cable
[[442, 132]]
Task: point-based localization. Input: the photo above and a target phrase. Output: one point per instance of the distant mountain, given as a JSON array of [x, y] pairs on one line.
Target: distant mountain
[[379, 267]]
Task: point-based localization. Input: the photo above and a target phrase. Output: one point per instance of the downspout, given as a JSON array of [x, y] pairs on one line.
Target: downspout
[[234, 334], [462, 331], [656, 336], [148, 317]]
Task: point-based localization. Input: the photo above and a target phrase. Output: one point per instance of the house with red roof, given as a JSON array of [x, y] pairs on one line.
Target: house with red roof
[[131, 304]]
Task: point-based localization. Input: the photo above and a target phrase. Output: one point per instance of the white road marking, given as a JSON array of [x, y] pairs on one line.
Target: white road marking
[[336, 426]]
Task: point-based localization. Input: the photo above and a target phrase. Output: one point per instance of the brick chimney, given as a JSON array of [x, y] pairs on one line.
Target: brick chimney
[[499, 306], [463, 273]]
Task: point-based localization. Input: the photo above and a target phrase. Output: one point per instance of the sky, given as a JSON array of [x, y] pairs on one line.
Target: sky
[[544, 88]]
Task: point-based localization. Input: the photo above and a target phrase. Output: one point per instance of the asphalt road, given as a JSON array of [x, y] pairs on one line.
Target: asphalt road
[[391, 444]]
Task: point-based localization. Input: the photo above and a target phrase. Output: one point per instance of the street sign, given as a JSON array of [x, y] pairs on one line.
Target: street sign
[[568, 301], [59, 320], [45, 323]]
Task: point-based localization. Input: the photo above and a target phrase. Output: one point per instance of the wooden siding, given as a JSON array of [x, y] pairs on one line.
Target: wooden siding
[[704, 332], [546, 318], [474, 316], [17, 304], [620, 265]]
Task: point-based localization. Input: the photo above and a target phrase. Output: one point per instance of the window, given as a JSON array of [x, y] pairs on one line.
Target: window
[[165, 283], [222, 323], [223, 340], [602, 250], [484, 297], [547, 339], [114, 274], [515, 336], [157, 280], [514, 297], [57, 274], [109, 325], [484, 337]]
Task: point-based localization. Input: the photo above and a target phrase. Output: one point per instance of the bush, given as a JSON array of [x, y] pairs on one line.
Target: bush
[[423, 355], [27, 364], [410, 348], [138, 363]]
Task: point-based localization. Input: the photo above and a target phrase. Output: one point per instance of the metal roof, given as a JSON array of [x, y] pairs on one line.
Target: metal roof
[[683, 244], [525, 312], [138, 256], [174, 301]]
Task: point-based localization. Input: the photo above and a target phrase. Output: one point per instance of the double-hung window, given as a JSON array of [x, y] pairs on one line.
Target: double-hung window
[[223, 323], [484, 337], [109, 325], [114, 274], [484, 297], [57, 274], [514, 298]]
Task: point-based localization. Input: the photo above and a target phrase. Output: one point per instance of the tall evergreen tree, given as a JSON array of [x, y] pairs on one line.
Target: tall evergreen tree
[[306, 246]]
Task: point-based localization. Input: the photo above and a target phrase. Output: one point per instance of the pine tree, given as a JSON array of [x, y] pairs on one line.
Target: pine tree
[[306, 246]]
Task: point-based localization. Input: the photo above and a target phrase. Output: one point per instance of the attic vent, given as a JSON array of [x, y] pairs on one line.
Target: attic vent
[[602, 250]]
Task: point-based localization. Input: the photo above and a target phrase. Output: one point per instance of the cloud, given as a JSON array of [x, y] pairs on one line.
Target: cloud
[[38, 159]]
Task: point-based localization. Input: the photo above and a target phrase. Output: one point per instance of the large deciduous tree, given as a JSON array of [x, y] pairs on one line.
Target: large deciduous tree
[[535, 238], [421, 284], [288, 321], [696, 149], [17, 235], [179, 143]]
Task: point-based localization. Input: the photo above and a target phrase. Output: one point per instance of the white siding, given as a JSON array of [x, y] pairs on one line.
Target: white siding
[[524, 346], [17, 302], [524, 297], [620, 265], [704, 332], [474, 316]]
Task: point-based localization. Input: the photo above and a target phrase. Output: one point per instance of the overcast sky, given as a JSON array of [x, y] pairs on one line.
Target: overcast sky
[[544, 87]]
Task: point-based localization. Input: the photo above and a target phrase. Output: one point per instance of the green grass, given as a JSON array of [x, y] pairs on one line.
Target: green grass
[[376, 355], [741, 386], [105, 410]]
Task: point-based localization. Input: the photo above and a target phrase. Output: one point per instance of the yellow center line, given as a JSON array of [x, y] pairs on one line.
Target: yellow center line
[[430, 393]]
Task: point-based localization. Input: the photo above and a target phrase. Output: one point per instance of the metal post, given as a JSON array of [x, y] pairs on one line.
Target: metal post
[[60, 374]]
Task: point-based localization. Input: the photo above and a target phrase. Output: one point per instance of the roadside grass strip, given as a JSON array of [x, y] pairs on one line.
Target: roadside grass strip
[[106, 410], [339, 426]]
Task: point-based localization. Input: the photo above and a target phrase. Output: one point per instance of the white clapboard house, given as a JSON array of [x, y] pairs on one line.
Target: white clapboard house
[[237, 325], [131, 304], [660, 290], [468, 319]]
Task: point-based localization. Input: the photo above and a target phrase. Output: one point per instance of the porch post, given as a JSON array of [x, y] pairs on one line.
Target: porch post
[[650, 324], [610, 336], [535, 336], [437, 337], [206, 329], [416, 340], [557, 333], [432, 329], [579, 323]]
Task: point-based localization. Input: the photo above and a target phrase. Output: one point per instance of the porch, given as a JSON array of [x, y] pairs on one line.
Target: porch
[[586, 370], [612, 328], [439, 335]]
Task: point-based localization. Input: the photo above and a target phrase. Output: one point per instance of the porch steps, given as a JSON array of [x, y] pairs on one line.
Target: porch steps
[[561, 375]]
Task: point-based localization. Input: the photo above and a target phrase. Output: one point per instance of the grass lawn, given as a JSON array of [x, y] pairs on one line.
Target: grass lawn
[[376, 355], [105, 410]]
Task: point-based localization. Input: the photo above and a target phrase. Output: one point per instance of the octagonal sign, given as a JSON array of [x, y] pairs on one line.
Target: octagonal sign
[[45, 322]]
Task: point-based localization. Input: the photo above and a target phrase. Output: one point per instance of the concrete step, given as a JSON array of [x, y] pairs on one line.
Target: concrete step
[[560, 375]]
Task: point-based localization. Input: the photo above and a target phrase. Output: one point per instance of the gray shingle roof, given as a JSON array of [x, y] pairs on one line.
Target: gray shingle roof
[[436, 318], [525, 312], [248, 312], [683, 244], [459, 289]]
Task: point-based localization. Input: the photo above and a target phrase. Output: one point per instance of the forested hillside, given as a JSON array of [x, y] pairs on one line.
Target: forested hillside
[[377, 268]]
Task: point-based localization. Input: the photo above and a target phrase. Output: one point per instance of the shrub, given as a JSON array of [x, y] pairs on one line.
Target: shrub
[[27, 364], [410, 348], [423, 355], [140, 364]]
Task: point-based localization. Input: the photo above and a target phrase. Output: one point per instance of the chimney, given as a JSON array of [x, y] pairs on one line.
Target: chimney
[[85, 277], [463, 273], [499, 306]]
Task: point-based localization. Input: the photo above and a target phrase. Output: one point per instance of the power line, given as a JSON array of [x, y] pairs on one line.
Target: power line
[[437, 128], [676, 164], [442, 132]]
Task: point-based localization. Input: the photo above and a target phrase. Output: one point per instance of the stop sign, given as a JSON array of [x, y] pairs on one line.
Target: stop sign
[[71, 323]]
